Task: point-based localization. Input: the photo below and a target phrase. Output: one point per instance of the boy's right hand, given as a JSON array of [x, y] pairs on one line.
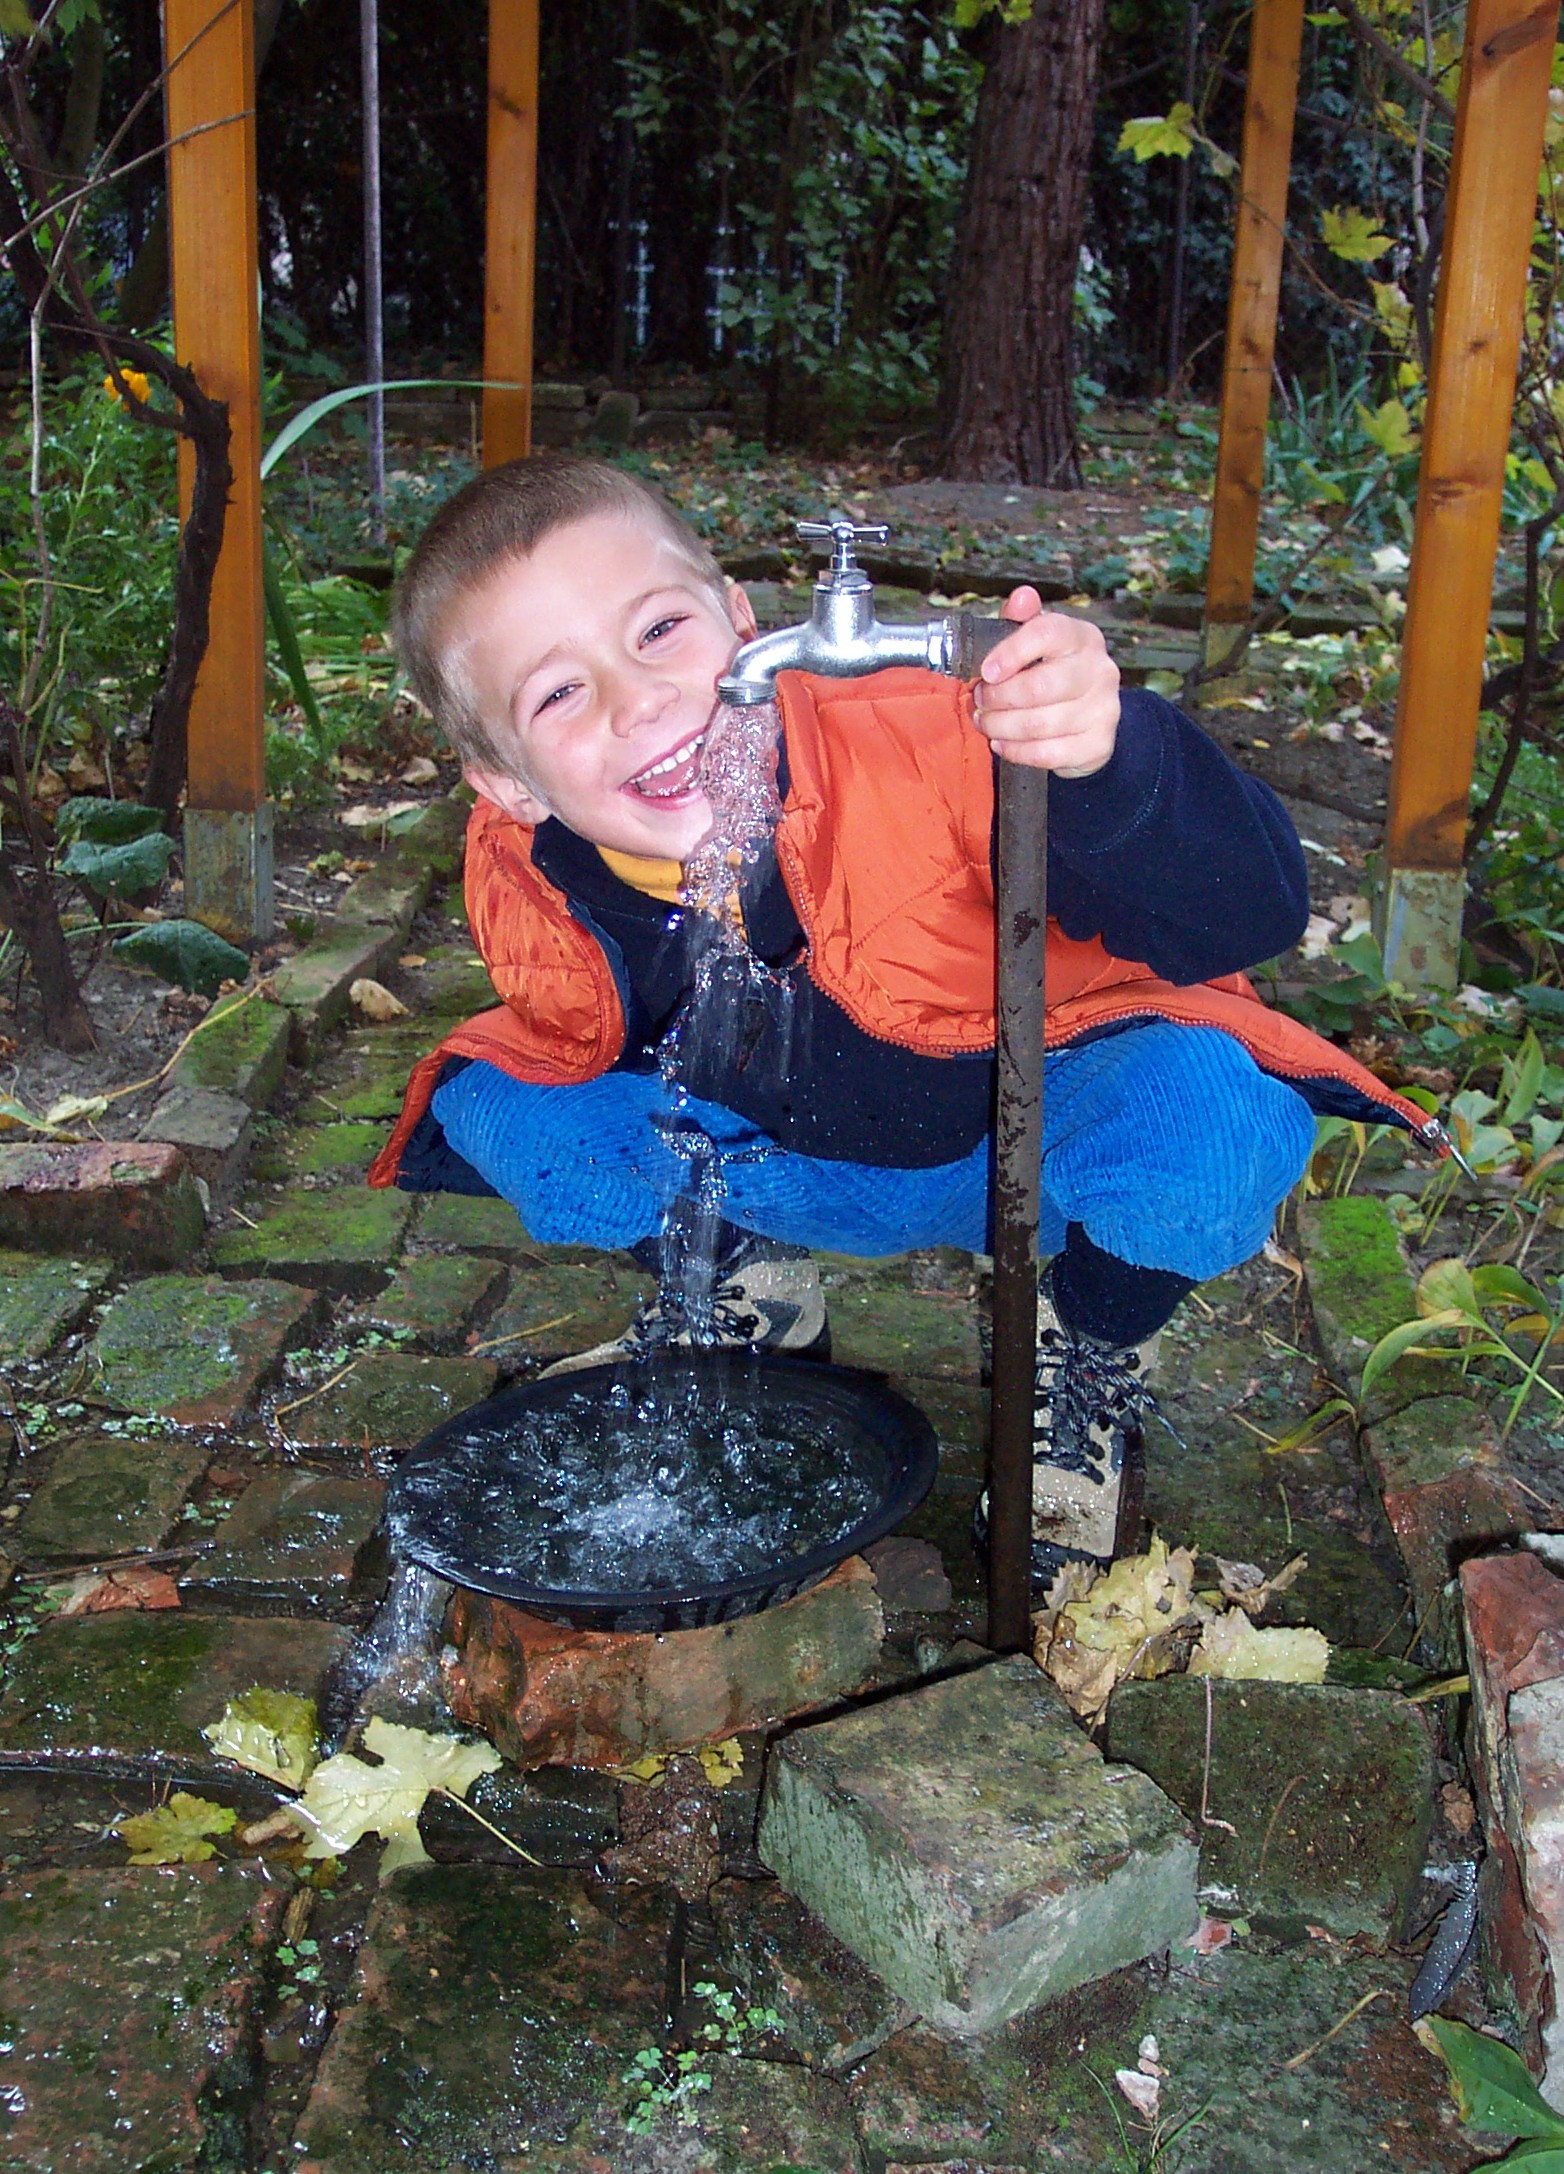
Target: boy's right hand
[[1049, 694]]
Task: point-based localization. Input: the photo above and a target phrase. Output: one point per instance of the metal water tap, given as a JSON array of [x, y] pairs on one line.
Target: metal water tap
[[842, 638]]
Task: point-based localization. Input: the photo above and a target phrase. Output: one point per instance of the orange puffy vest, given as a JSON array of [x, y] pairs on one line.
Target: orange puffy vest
[[884, 848]]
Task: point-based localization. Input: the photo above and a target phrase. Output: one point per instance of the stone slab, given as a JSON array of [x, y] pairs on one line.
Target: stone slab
[[433, 1297], [41, 1297], [365, 1077], [133, 1200], [346, 1239], [241, 1049], [967, 1842], [490, 2011], [314, 983], [389, 1402], [910, 1575], [105, 1496], [1359, 1289], [387, 895], [453, 983], [295, 1541], [195, 1349], [1435, 1526], [1330, 1791], [212, 1131], [128, 1997], [129, 1693], [551, 1695], [564, 1306], [314, 1151], [1534, 1815], [472, 1223]]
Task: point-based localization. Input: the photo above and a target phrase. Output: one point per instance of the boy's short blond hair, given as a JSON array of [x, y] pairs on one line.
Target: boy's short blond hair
[[502, 515]]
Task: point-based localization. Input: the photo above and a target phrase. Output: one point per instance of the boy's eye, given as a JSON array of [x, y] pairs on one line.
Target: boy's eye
[[558, 695], [664, 626]]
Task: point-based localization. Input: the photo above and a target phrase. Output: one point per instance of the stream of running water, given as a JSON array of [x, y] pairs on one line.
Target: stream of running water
[[736, 1007]]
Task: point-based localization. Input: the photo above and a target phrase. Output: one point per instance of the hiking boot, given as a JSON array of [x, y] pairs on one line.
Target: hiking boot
[[1088, 1447], [765, 1297]]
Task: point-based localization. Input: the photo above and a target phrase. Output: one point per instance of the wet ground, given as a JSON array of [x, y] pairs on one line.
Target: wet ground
[[211, 1449]]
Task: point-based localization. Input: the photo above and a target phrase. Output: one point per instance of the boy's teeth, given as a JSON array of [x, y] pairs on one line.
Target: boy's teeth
[[680, 759]]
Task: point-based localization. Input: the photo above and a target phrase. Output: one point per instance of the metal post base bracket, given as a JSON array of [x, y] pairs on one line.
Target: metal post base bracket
[[1218, 639], [228, 871], [1417, 918]]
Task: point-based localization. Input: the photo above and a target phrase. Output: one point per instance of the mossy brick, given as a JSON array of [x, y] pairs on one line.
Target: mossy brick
[[129, 1999], [194, 1349], [755, 2117], [452, 983], [561, 1815], [346, 1239], [967, 1842], [437, 840], [105, 1495], [314, 983], [295, 1542], [1327, 1793], [241, 1049], [550, 1694], [897, 1331], [366, 1077], [433, 1298], [387, 896], [41, 1297], [213, 1132], [472, 1223], [832, 2009], [1429, 1441], [564, 1306], [318, 1151], [1359, 1290], [490, 2010], [130, 1692], [389, 1402], [136, 1201]]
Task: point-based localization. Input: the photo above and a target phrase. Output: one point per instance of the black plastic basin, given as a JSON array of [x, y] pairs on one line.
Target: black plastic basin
[[479, 1501]]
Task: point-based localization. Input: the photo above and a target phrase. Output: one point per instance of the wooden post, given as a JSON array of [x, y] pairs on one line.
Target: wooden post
[[511, 230], [1275, 45], [1489, 210], [210, 55]]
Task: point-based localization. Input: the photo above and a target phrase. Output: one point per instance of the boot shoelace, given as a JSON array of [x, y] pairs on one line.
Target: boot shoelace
[[667, 1318], [1091, 1384]]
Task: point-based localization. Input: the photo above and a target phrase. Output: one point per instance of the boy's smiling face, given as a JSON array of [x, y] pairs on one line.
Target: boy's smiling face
[[596, 659]]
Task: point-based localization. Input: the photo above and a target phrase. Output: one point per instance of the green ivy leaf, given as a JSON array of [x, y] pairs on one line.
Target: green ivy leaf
[[131, 869], [15, 19], [185, 952], [106, 822], [1390, 427]]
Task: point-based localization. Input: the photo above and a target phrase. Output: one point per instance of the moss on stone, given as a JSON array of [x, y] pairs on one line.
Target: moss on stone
[[41, 1297], [242, 1051], [348, 1236]]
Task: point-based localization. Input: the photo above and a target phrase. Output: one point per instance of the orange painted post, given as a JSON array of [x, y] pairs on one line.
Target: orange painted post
[[210, 54], [1489, 211], [1275, 45], [511, 230]]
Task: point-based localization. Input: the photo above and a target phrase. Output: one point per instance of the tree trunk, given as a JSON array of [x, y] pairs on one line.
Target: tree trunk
[[1007, 368]]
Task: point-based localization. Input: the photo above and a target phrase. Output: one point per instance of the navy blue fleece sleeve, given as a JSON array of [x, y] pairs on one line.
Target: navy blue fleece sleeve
[[1172, 855]]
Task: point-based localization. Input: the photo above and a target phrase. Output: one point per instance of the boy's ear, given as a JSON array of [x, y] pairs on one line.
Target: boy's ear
[[508, 794], [741, 612]]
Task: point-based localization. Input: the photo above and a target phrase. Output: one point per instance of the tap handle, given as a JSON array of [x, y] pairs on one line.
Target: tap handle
[[844, 537]]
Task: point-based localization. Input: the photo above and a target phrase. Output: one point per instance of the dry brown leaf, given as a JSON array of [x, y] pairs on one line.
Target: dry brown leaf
[[1233, 1648], [1246, 1585], [1127, 1624], [420, 771], [103, 1592], [375, 1001], [1143, 2092], [1211, 1935]]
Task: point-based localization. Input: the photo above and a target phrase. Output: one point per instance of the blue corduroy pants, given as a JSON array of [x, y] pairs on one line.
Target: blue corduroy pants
[[1166, 1143]]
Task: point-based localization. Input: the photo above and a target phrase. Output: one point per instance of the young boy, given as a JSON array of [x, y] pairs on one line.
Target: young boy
[[566, 629]]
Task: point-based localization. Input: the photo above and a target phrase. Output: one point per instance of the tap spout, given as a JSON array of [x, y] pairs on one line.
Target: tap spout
[[843, 639]]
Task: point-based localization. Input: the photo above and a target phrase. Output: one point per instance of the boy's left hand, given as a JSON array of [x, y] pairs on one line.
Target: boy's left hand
[[1049, 694]]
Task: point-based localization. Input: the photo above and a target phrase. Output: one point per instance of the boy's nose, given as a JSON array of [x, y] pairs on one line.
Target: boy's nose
[[638, 699]]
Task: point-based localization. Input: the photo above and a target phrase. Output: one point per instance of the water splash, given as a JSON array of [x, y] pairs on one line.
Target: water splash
[[738, 1013], [397, 1649]]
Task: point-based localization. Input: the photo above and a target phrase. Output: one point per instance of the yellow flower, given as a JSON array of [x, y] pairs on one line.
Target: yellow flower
[[138, 381]]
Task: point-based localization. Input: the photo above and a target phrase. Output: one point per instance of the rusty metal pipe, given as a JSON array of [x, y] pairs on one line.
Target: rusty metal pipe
[[1021, 920]]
